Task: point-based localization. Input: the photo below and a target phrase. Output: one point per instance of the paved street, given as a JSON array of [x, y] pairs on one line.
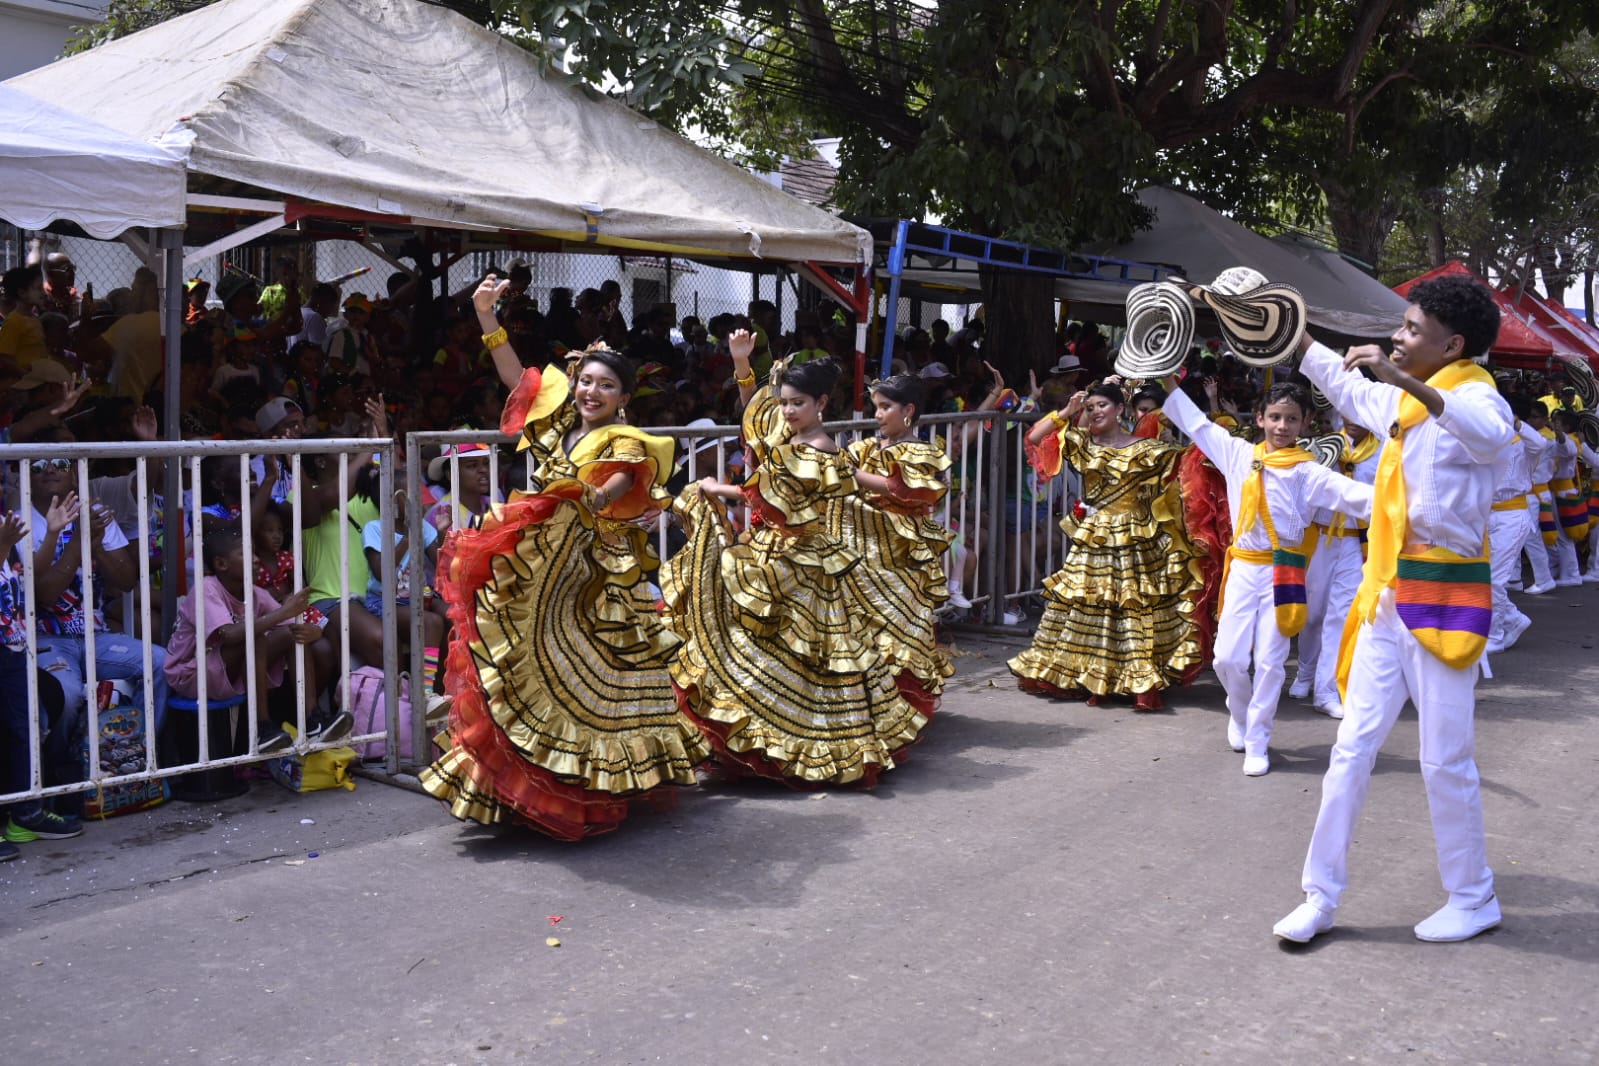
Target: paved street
[[1041, 883]]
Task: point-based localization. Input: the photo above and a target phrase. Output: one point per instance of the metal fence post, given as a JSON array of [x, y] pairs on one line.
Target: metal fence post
[[994, 559]]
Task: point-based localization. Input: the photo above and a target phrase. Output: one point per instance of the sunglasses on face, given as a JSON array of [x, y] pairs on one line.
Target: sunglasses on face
[[60, 466]]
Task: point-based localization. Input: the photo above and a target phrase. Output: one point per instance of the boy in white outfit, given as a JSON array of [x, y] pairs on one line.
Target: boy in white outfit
[[1421, 617], [1540, 453], [1510, 527], [1563, 556], [1333, 577], [1272, 488]]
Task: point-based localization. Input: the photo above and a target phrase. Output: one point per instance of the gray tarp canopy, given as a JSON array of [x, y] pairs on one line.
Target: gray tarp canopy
[[399, 108], [1200, 243]]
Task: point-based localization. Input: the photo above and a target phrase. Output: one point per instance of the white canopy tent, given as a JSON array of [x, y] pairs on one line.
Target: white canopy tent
[[57, 166], [409, 111]]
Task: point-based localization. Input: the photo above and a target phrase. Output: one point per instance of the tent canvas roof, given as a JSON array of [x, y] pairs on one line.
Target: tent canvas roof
[[399, 108], [1557, 322], [56, 165]]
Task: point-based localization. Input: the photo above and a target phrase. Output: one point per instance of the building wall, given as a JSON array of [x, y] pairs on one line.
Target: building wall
[[32, 32]]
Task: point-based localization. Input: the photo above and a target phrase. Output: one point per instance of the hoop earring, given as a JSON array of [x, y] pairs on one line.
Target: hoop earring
[[621, 414]]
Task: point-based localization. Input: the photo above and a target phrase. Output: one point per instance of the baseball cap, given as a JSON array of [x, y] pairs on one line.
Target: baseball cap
[[438, 465], [935, 370], [357, 302], [274, 412]]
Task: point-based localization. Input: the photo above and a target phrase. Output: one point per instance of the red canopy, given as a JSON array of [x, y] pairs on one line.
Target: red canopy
[[1518, 344], [1565, 328]]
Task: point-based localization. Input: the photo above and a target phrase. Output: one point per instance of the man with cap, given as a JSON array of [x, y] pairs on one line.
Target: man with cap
[[350, 346], [196, 292]]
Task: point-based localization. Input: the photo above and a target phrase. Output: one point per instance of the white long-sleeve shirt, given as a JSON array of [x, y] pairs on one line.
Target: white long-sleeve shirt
[[1565, 453], [1512, 477], [1447, 460], [1291, 494], [1365, 472], [1540, 455]]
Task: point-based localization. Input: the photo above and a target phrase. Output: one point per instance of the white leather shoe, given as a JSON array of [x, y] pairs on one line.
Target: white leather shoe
[[1256, 765], [1540, 590], [1303, 924], [1235, 736], [1450, 923], [1332, 707], [1515, 628], [1299, 689], [1568, 583]]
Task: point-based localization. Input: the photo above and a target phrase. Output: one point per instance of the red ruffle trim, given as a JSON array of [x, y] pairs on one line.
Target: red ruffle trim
[[1210, 528], [513, 416], [558, 808]]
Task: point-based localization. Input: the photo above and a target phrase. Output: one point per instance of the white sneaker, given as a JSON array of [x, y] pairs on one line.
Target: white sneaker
[[1331, 706], [1299, 690], [957, 600], [1540, 590], [1590, 578], [1014, 618], [1256, 765], [1515, 628], [1235, 736], [1303, 924], [1568, 583], [1450, 923]]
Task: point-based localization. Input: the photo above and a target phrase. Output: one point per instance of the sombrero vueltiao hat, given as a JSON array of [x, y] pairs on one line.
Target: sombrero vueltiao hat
[[1580, 374], [1328, 450], [1160, 330], [1261, 321], [1319, 399], [1588, 426]]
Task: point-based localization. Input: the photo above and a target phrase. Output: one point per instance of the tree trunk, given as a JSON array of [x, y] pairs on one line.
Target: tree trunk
[[1360, 224], [1587, 295], [1019, 324]]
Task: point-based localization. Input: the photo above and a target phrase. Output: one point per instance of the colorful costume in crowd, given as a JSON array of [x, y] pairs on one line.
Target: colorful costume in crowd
[[777, 665], [1124, 614], [900, 582], [563, 708]]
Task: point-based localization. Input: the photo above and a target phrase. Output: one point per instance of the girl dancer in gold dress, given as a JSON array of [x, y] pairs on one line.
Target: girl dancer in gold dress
[[1121, 614], [563, 709], [782, 674]]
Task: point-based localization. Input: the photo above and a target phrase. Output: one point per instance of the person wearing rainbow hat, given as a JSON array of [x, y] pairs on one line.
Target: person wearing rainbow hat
[[1422, 615]]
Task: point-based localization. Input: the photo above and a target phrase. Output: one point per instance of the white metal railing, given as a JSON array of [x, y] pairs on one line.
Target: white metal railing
[[988, 479], [188, 456]]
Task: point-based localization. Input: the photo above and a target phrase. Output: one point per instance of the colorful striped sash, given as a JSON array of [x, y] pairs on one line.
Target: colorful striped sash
[[1287, 575], [1446, 601], [1548, 528], [1571, 505], [1593, 502]]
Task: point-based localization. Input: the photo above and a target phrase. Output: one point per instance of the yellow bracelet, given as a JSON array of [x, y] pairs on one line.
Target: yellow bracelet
[[493, 340], [745, 383], [1055, 417]]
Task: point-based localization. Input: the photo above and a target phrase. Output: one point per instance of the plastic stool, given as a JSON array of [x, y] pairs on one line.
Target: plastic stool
[[228, 737]]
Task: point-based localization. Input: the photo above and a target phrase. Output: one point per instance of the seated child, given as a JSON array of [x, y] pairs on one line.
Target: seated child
[[274, 564], [433, 624], [277, 631]]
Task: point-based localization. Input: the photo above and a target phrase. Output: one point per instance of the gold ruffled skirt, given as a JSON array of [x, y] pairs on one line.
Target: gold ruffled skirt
[[900, 584], [774, 667], [563, 708], [1120, 613]]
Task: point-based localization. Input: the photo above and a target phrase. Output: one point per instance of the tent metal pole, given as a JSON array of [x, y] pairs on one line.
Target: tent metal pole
[[896, 267], [173, 297]]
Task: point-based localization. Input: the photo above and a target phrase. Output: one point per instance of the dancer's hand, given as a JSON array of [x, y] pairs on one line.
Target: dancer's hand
[[488, 294]]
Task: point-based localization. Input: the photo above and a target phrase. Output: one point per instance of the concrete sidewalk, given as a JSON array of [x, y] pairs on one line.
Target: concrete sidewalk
[[1040, 883]]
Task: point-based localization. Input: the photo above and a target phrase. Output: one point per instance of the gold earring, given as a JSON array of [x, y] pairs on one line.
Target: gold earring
[[621, 414]]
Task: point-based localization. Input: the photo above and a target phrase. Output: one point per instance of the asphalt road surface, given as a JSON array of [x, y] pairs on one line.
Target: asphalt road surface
[[1039, 883]]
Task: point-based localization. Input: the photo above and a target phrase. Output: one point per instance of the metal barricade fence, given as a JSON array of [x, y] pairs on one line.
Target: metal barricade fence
[[45, 458]]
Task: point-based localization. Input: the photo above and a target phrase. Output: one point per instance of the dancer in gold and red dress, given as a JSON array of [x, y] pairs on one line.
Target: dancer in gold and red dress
[[891, 522], [1123, 615], [563, 709], [777, 665]]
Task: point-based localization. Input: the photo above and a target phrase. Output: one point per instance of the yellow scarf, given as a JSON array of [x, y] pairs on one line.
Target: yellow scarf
[[1252, 498], [1390, 512]]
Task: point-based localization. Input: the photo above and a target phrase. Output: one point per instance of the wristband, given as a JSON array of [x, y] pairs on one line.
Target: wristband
[[495, 339]]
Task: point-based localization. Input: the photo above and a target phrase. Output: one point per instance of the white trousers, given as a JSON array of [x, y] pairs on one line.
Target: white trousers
[[1248, 629], [1390, 667], [1507, 535], [1344, 563], [1537, 551]]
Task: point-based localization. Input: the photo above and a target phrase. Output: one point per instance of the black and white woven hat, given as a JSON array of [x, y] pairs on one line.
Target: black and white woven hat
[[1160, 331], [1580, 374], [1328, 450], [1260, 321]]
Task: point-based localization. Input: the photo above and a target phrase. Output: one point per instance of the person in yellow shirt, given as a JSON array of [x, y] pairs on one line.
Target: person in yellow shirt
[[21, 335]]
